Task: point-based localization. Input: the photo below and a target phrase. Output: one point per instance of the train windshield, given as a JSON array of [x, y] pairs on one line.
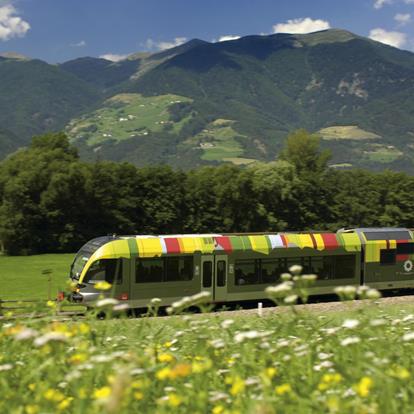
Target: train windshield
[[86, 251]]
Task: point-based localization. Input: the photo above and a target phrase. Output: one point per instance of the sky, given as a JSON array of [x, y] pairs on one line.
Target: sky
[[61, 30]]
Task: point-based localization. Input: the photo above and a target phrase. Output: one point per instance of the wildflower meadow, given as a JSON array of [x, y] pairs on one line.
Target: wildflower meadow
[[295, 361]]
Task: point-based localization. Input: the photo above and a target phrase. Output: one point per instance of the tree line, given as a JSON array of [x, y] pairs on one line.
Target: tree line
[[51, 201]]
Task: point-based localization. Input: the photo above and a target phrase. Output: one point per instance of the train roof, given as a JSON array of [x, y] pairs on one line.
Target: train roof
[[155, 246]]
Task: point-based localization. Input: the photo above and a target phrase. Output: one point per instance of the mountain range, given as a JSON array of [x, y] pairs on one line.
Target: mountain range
[[234, 101]]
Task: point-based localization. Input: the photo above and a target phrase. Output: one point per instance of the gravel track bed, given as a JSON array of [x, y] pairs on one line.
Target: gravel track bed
[[323, 307]]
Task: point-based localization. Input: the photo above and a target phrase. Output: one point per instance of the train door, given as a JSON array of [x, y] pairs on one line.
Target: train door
[[220, 279], [214, 276], [119, 278]]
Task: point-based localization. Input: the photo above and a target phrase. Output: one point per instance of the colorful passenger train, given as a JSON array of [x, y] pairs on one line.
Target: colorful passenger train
[[239, 267]]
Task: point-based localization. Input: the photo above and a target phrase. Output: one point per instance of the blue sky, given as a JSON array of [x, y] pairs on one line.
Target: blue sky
[[60, 30]]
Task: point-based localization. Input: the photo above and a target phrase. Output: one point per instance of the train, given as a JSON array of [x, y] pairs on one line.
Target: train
[[238, 267]]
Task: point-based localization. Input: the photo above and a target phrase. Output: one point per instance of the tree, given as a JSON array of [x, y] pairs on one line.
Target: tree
[[24, 177], [302, 149]]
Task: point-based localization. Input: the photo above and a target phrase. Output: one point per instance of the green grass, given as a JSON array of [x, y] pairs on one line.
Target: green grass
[[347, 132], [358, 361], [124, 116], [21, 276], [218, 141], [383, 154]]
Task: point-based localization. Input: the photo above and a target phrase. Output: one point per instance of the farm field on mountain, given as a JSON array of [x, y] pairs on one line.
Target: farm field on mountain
[[124, 116]]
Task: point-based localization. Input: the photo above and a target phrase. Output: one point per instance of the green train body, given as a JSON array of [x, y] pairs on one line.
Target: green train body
[[235, 268]]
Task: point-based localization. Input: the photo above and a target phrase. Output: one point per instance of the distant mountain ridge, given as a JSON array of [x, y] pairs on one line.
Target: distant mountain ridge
[[232, 101]]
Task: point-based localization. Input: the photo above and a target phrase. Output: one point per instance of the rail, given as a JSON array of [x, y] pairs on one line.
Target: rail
[[37, 306]]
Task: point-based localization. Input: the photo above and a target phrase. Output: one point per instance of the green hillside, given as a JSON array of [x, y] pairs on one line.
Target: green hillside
[[126, 116], [357, 93], [36, 97]]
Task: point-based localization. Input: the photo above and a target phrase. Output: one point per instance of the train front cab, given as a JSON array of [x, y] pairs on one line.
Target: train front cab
[[387, 258]]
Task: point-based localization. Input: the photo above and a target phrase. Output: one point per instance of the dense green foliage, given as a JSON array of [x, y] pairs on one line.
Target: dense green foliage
[[50, 201], [36, 97]]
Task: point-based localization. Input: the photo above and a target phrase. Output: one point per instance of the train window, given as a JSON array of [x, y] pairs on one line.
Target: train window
[[388, 257], [344, 267], [292, 261], [149, 270], [221, 273], [327, 270], [405, 248], [108, 270], [179, 268], [306, 265], [388, 235], [272, 269], [246, 272], [207, 274]]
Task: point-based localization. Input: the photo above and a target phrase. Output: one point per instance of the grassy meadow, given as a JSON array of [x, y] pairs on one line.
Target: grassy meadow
[[285, 362], [21, 276], [290, 360], [126, 115]]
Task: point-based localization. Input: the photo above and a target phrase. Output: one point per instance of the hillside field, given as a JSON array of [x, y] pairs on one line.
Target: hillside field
[[21, 276]]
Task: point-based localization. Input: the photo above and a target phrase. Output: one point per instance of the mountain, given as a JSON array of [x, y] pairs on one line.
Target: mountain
[[36, 97], [235, 101]]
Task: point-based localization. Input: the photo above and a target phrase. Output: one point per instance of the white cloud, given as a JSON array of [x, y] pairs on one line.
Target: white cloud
[[113, 57], [402, 19], [301, 25], [82, 43], [225, 38], [396, 39], [409, 1], [152, 44], [379, 4], [10, 24]]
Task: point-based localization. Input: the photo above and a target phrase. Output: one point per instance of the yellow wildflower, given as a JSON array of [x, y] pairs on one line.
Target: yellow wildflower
[[329, 380], [102, 393], [84, 328], [364, 386], [333, 404], [231, 361], [199, 367], [174, 400], [32, 386], [31, 409], [237, 386], [165, 358], [168, 344], [270, 372], [138, 395], [64, 404], [283, 389], [163, 373], [51, 304], [400, 373], [13, 330], [103, 285], [53, 395], [137, 384], [180, 370], [77, 358], [82, 393], [218, 409]]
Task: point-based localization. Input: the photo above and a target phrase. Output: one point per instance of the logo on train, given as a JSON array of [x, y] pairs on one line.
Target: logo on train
[[408, 266]]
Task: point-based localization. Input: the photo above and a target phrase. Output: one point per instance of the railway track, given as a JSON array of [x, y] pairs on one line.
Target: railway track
[[250, 310]]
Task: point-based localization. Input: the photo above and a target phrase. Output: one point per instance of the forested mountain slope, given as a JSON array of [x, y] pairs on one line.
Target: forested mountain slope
[[232, 101]]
